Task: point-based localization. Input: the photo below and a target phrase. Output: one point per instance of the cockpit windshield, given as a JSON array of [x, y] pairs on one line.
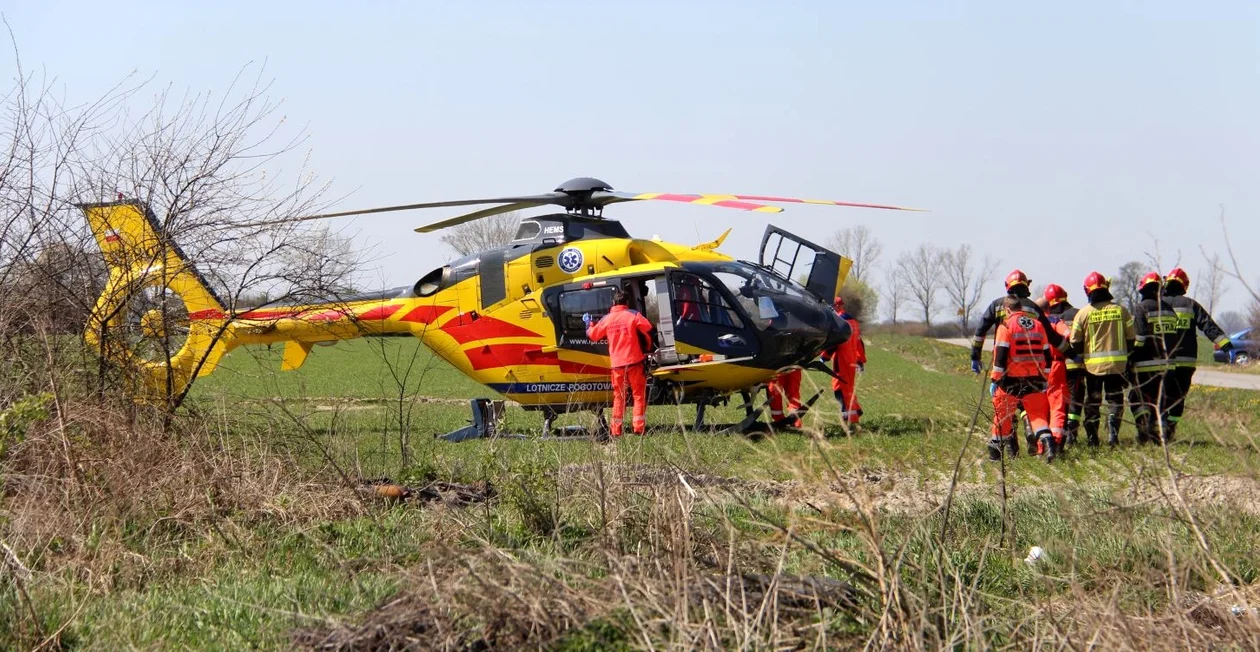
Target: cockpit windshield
[[738, 276], [756, 290]]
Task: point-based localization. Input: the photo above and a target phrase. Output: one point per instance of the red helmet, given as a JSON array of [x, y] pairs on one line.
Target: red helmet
[[1016, 277], [1096, 281], [1055, 294], [1151, 277], [1180, 276]]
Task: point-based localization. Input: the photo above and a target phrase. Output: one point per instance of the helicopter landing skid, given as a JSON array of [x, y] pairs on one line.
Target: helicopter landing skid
[[789, 419], [487, 421]]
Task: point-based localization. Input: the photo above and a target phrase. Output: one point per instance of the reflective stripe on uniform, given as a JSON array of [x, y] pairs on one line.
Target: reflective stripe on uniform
[[1106, 356]]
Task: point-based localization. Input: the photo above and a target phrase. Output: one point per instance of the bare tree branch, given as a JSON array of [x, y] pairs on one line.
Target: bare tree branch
[[479, 235], [963, 281], [920, 269], [858, 244]]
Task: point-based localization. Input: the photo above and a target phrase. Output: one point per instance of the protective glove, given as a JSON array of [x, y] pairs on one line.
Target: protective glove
[[587, 319], [992, 388], [861, 368], [975, 367]]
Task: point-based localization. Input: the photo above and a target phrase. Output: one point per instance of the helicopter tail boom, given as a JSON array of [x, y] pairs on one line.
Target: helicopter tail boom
[[187, 328]]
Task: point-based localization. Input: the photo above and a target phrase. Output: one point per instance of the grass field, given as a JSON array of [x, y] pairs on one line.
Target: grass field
[[671, 540]]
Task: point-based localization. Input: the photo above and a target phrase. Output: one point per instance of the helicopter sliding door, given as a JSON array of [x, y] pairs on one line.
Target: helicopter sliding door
[[819, 269]]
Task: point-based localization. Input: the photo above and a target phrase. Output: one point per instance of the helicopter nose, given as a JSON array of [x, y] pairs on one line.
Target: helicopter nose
[[838, 331]]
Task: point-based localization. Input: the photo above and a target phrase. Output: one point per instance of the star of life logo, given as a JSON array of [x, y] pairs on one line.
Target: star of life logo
[[571, 260]]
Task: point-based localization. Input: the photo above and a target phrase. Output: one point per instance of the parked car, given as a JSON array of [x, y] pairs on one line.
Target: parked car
[[1246, 348]]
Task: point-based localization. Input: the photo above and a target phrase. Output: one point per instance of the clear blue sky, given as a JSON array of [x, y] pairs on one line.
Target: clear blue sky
[[1060, 137]]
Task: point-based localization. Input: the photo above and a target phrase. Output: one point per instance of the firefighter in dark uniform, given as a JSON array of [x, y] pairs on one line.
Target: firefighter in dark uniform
[[1155, 327], [1185, 357]]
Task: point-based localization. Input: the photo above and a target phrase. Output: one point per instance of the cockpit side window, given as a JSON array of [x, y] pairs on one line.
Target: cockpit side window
[[430, 283], [528, 230], [697, 300]]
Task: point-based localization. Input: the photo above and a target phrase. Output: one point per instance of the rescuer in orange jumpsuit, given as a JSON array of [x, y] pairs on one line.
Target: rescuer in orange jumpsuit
[[785, 384], [629, 334], [846, 360], [1021, 365], [1058, 394]]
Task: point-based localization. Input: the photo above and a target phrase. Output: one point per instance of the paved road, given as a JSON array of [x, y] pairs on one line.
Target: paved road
[[1204, 376]]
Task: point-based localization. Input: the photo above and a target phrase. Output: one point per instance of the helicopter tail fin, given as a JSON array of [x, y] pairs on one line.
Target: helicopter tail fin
[[713, 244], [141, 257]]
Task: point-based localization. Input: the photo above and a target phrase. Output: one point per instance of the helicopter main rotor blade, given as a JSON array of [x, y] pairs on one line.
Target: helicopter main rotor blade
[[724, 201], [826, 202], [537, 200], [486, 212]]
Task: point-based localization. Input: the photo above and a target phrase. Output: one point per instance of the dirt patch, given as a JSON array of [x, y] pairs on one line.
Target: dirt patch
[[1199, 490], [870, 490]]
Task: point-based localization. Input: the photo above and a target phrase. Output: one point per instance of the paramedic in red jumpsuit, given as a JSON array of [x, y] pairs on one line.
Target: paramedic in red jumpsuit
[[847, 359], [1021, 367], [628, 333], [785, 384]]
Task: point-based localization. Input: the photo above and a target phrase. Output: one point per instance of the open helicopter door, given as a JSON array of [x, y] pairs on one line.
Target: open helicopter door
[[704, 322], [821, 270]]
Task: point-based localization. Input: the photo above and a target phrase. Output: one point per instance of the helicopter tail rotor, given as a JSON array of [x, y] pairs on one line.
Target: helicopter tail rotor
[[156, 316]]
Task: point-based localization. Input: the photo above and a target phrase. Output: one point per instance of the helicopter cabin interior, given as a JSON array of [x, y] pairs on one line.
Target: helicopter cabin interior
[[704, 311], [693, 320]]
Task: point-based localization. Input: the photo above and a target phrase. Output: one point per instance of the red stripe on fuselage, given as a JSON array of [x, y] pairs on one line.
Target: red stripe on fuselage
[[380, 312], [507, 355], [465, 330], [425, 314]]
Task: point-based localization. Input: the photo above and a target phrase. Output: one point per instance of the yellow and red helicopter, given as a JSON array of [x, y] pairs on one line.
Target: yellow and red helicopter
[[511, 317]]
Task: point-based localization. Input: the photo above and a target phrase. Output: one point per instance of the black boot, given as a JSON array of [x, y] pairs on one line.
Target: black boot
[[1012, 446], [1113, 430], [1142, 420], [1170, 431], [995, 450], [1049, 448]]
